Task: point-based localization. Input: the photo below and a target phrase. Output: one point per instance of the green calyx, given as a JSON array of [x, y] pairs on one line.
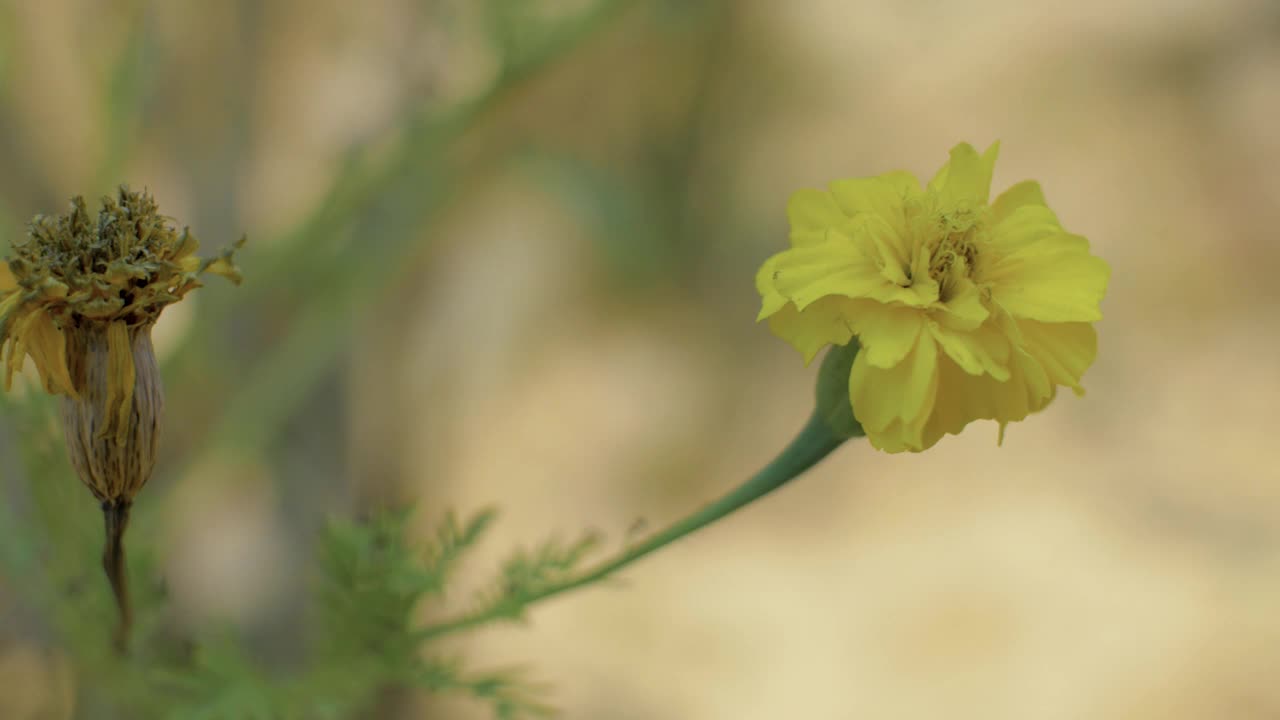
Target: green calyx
[[832, 392]]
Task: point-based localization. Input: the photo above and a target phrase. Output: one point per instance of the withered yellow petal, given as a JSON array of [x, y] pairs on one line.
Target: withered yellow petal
[[120, 380], [224, 267], [48, 348], [185, 245]]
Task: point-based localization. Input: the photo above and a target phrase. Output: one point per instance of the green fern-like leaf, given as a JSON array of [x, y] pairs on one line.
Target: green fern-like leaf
[[374, 576], [506, 691]]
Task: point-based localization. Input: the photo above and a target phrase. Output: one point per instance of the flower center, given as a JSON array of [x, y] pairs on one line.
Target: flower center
[[949, 246], [953, 248]]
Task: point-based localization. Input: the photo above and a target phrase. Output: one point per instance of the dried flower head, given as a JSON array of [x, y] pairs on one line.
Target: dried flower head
[[79, 297], [82, 298]]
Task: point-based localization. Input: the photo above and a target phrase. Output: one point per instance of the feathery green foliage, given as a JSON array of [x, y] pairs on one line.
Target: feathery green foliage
[[372, 583]]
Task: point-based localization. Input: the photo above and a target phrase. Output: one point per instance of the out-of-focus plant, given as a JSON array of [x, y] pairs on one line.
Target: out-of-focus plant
[[370, 578], [924, 293], [370, 581]]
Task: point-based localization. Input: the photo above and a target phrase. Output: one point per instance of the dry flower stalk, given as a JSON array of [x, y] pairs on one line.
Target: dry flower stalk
[[80, 297]]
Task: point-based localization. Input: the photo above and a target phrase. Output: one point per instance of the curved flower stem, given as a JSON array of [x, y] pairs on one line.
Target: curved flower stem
[[116, 515], [813, 444]]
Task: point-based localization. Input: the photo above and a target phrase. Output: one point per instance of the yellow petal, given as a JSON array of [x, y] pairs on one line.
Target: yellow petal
[[8, 311], [961, 399], [120, 381], [1064, 350], [1027, 192], [886, 332], [825, 322], [964, 309], [967, 176], [893, 404], [1037, 271], [771, 301], [227, 269], [984, 350], [882, 197], [812, 213], [887, 246], [48, 348], [223, 266], [835, 267], [7, 280], [10, 316], [186, 245], [1021, 228], [16, 352], [1054, 281], [1028, 389]]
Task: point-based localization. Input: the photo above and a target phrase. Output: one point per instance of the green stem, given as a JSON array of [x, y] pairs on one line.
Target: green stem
[[116, 515], [247, 422], [814, 443]]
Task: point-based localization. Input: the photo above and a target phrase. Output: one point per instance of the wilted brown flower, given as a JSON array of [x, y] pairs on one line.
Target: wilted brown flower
[[79, 297]]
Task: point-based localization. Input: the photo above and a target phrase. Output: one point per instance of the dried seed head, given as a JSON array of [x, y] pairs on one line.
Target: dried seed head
[[81, 300], [79, 297]]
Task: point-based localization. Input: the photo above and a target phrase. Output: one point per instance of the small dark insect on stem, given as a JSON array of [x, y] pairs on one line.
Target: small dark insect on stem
[[115, 514]]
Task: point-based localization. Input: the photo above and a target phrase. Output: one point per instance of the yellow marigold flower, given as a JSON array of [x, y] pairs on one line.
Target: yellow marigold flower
[[965, 309]]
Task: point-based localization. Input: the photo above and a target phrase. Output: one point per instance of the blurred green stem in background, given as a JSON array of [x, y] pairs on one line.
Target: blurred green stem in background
[[362, 189], [831, 423]]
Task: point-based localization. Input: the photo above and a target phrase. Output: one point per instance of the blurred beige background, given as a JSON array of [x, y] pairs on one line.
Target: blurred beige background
[[578, 347]]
